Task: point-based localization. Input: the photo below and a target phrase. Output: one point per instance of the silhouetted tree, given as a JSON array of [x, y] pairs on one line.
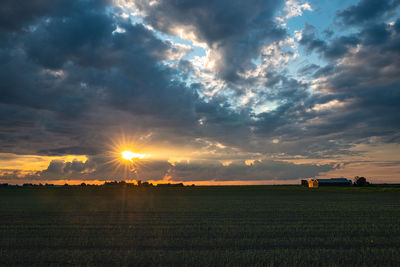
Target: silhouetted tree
[[145, 184], [360, 181], [118, 183]]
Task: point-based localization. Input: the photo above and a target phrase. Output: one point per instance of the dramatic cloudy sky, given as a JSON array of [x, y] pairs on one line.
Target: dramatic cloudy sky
[[226, 91]]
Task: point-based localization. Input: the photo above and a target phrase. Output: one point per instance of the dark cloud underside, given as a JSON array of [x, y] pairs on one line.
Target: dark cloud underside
[[76, 73]]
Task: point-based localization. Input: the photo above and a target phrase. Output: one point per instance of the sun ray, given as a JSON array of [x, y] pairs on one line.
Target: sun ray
[[125, 157], [131, 156]]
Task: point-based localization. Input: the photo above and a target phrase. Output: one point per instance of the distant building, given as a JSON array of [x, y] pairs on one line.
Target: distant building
[[334, 182], [304, 183], [170, 185], [315, 183]]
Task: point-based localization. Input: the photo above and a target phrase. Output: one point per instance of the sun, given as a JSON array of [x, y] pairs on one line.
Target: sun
[[126, 156], [129, 155]]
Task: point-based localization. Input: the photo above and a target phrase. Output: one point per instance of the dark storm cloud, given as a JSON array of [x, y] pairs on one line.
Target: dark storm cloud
[[78, 38], [375, 64], [375, 34], [258, 170], [28, 85], [68, 76], [234, 30], [70, 59], [309, 39], [97, 168], [73, 150], [367, 10], [366, 78], [362, 82], [70, 81], [334, 49], [14, 15]]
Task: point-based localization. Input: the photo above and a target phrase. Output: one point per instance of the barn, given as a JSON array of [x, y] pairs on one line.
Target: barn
[[315, 183], [334, 182]]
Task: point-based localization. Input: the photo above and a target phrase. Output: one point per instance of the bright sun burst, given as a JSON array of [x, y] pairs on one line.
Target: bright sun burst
[[123, 159], [129, 155]]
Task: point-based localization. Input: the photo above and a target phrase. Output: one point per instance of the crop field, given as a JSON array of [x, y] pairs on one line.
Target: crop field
[[200, 226]]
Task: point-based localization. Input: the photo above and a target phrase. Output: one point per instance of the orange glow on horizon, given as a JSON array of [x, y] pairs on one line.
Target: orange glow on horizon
[[154, 182]]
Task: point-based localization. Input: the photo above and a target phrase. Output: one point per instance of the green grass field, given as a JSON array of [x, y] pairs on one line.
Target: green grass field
[[201, 226]]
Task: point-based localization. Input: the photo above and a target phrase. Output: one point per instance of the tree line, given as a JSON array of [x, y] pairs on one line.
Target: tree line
[[114, 183]]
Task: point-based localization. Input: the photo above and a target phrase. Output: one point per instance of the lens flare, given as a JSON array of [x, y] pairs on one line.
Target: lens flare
[[129, 155], [123, 159]]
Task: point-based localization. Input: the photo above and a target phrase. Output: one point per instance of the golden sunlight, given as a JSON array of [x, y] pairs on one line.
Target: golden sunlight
[[129, 155], [125, 156]]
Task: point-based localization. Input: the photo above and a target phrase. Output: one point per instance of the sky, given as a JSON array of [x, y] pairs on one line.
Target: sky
[[205, 92]]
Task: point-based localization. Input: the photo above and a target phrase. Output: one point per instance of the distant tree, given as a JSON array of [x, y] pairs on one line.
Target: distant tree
[[83, 184], [117, 183], [360, 181], [145, 184]]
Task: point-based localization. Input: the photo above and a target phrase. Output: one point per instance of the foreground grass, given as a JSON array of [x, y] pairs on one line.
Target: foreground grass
[[262, 225]]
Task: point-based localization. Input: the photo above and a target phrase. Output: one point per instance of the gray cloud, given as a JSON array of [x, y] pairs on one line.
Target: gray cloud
[[71, 76], [70, 82], [19, 15], [234, 30], [97, 168], [258, 170], [367, 78], [335, 49], [367, 10]]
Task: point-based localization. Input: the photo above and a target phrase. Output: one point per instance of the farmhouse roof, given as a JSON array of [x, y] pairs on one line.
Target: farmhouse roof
[[333, 180]]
